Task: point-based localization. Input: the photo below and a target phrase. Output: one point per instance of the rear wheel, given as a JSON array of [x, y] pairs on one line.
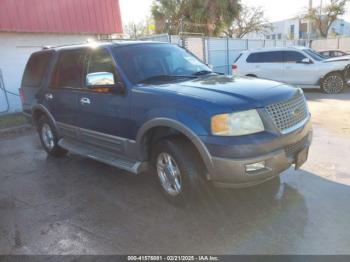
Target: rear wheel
[[177, 169], [333, 83], [49, 138]]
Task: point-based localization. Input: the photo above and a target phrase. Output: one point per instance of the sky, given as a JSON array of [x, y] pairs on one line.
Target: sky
[[275, 10]]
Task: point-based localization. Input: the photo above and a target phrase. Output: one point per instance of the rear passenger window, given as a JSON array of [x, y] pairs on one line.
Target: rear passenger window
[[69, 71], [265, 57], [293, 57], [35, 69]]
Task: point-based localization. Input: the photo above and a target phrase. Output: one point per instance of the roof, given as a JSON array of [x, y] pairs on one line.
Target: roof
[[277, 49], [61, 16]]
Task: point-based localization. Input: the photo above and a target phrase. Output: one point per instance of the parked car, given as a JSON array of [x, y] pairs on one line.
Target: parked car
[[154, 106], [298, 66], [332, 53]]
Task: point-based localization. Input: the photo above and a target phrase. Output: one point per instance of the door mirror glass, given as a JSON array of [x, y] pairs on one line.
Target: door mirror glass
[[100, 79], [306, 60]]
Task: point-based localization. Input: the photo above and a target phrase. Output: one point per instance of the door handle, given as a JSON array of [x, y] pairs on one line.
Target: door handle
[[48, 96], [85, 101]]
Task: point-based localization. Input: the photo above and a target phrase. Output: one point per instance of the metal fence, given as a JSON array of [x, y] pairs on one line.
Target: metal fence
[[342, 43], [220, 53]]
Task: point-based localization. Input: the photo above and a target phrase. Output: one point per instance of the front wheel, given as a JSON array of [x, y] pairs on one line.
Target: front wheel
[[178, 170], [333, 83]]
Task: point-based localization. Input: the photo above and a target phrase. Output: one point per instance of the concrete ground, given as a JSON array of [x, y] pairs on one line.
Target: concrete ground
[[75, 205]]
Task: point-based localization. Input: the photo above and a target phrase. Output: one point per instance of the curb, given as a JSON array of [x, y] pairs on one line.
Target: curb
[[16, 130]]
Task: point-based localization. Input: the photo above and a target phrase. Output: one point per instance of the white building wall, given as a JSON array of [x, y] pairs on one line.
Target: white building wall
[[340, 27], [15, 49]]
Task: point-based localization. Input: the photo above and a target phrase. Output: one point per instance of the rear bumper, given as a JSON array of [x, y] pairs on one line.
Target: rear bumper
[[230, 172]]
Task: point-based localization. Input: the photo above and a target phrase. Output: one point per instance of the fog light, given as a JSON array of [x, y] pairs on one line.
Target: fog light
[[255, 166]]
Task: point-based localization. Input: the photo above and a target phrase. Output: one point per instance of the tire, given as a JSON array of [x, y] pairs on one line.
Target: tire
[[333, 83], [49, 138], [184, 170]]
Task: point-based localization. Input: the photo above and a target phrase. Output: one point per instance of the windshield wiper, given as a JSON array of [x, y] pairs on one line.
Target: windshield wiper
[[164, 78], [202, 72]]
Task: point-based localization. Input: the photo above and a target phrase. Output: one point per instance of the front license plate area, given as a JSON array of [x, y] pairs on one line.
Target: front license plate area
[[301, 158]]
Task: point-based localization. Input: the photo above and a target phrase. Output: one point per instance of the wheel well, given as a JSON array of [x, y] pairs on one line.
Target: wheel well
[[155, 134], [251, 75], [338, 72], [37, 114]]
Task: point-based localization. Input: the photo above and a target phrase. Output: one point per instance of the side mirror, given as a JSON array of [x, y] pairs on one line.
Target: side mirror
[[306, 60], [99, 79], [103, 82]]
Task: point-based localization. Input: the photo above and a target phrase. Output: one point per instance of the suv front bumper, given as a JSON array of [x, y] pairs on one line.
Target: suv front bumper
[[230, 172]]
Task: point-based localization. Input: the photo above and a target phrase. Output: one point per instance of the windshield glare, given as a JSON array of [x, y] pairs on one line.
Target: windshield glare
[[316, 56], [144, 61]]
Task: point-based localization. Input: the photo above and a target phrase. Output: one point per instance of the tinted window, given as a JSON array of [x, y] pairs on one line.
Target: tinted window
[[35, 69], [293, 57], [100, 61], [265, 57], [140, 62], [69, 69]]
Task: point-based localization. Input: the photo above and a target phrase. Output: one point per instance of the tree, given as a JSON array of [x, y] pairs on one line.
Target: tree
[[209, 17], [323, 17], [136, 30], [249, 20]]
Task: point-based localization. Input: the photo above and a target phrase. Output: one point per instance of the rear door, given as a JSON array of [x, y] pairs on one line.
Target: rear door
[[295, 71], [268, 65], [103, 115], [66, 81]]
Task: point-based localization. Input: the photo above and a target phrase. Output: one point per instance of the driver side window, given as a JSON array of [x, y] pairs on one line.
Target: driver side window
[[100, 61], [293, 57]]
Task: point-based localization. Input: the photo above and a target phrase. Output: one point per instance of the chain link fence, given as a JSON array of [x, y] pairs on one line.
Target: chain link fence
[[220, 53]]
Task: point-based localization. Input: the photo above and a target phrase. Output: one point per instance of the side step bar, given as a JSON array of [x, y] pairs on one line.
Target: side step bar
[[103, 156]]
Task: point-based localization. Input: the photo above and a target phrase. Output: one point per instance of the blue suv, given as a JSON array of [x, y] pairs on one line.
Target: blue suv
[[154, 106]]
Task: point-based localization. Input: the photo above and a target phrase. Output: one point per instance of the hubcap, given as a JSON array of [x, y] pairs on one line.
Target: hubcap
[[169, 174], [47, 136], [333, 84]]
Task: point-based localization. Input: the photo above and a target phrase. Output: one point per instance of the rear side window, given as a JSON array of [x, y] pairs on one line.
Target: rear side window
[[35, 69], [265, 57], [293, 57], [69, 69]]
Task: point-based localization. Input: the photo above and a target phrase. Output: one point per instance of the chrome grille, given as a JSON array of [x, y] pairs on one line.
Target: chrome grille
[[290, 113], [293, 149]]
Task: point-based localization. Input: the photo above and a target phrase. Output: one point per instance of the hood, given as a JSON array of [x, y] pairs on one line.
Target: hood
[[239, 93], [338, 59]]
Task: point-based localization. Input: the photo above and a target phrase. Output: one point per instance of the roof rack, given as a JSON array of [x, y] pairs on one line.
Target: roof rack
[[92, 41]]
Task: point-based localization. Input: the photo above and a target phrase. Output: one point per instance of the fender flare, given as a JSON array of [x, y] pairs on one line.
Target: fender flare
[[166, 122], [42, 108]]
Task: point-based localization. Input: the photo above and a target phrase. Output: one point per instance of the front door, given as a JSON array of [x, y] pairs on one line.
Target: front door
[[295, 71], [103, 115]]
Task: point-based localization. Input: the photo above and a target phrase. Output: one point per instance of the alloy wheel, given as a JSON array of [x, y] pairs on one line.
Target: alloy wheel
[[169, 174]]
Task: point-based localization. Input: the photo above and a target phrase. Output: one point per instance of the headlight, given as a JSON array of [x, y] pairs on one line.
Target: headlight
[[237, 124]]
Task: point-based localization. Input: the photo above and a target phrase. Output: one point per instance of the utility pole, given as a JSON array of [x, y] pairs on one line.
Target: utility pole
[[182, 31]]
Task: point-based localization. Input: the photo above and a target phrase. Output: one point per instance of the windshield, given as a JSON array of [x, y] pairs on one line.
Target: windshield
[[158, 62], [314, 55]]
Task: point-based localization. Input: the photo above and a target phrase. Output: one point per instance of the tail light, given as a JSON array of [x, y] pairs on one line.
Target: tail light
[[234, 67], [21, 95]]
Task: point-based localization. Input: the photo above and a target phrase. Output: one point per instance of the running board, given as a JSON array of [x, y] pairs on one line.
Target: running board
[[135, 167]]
